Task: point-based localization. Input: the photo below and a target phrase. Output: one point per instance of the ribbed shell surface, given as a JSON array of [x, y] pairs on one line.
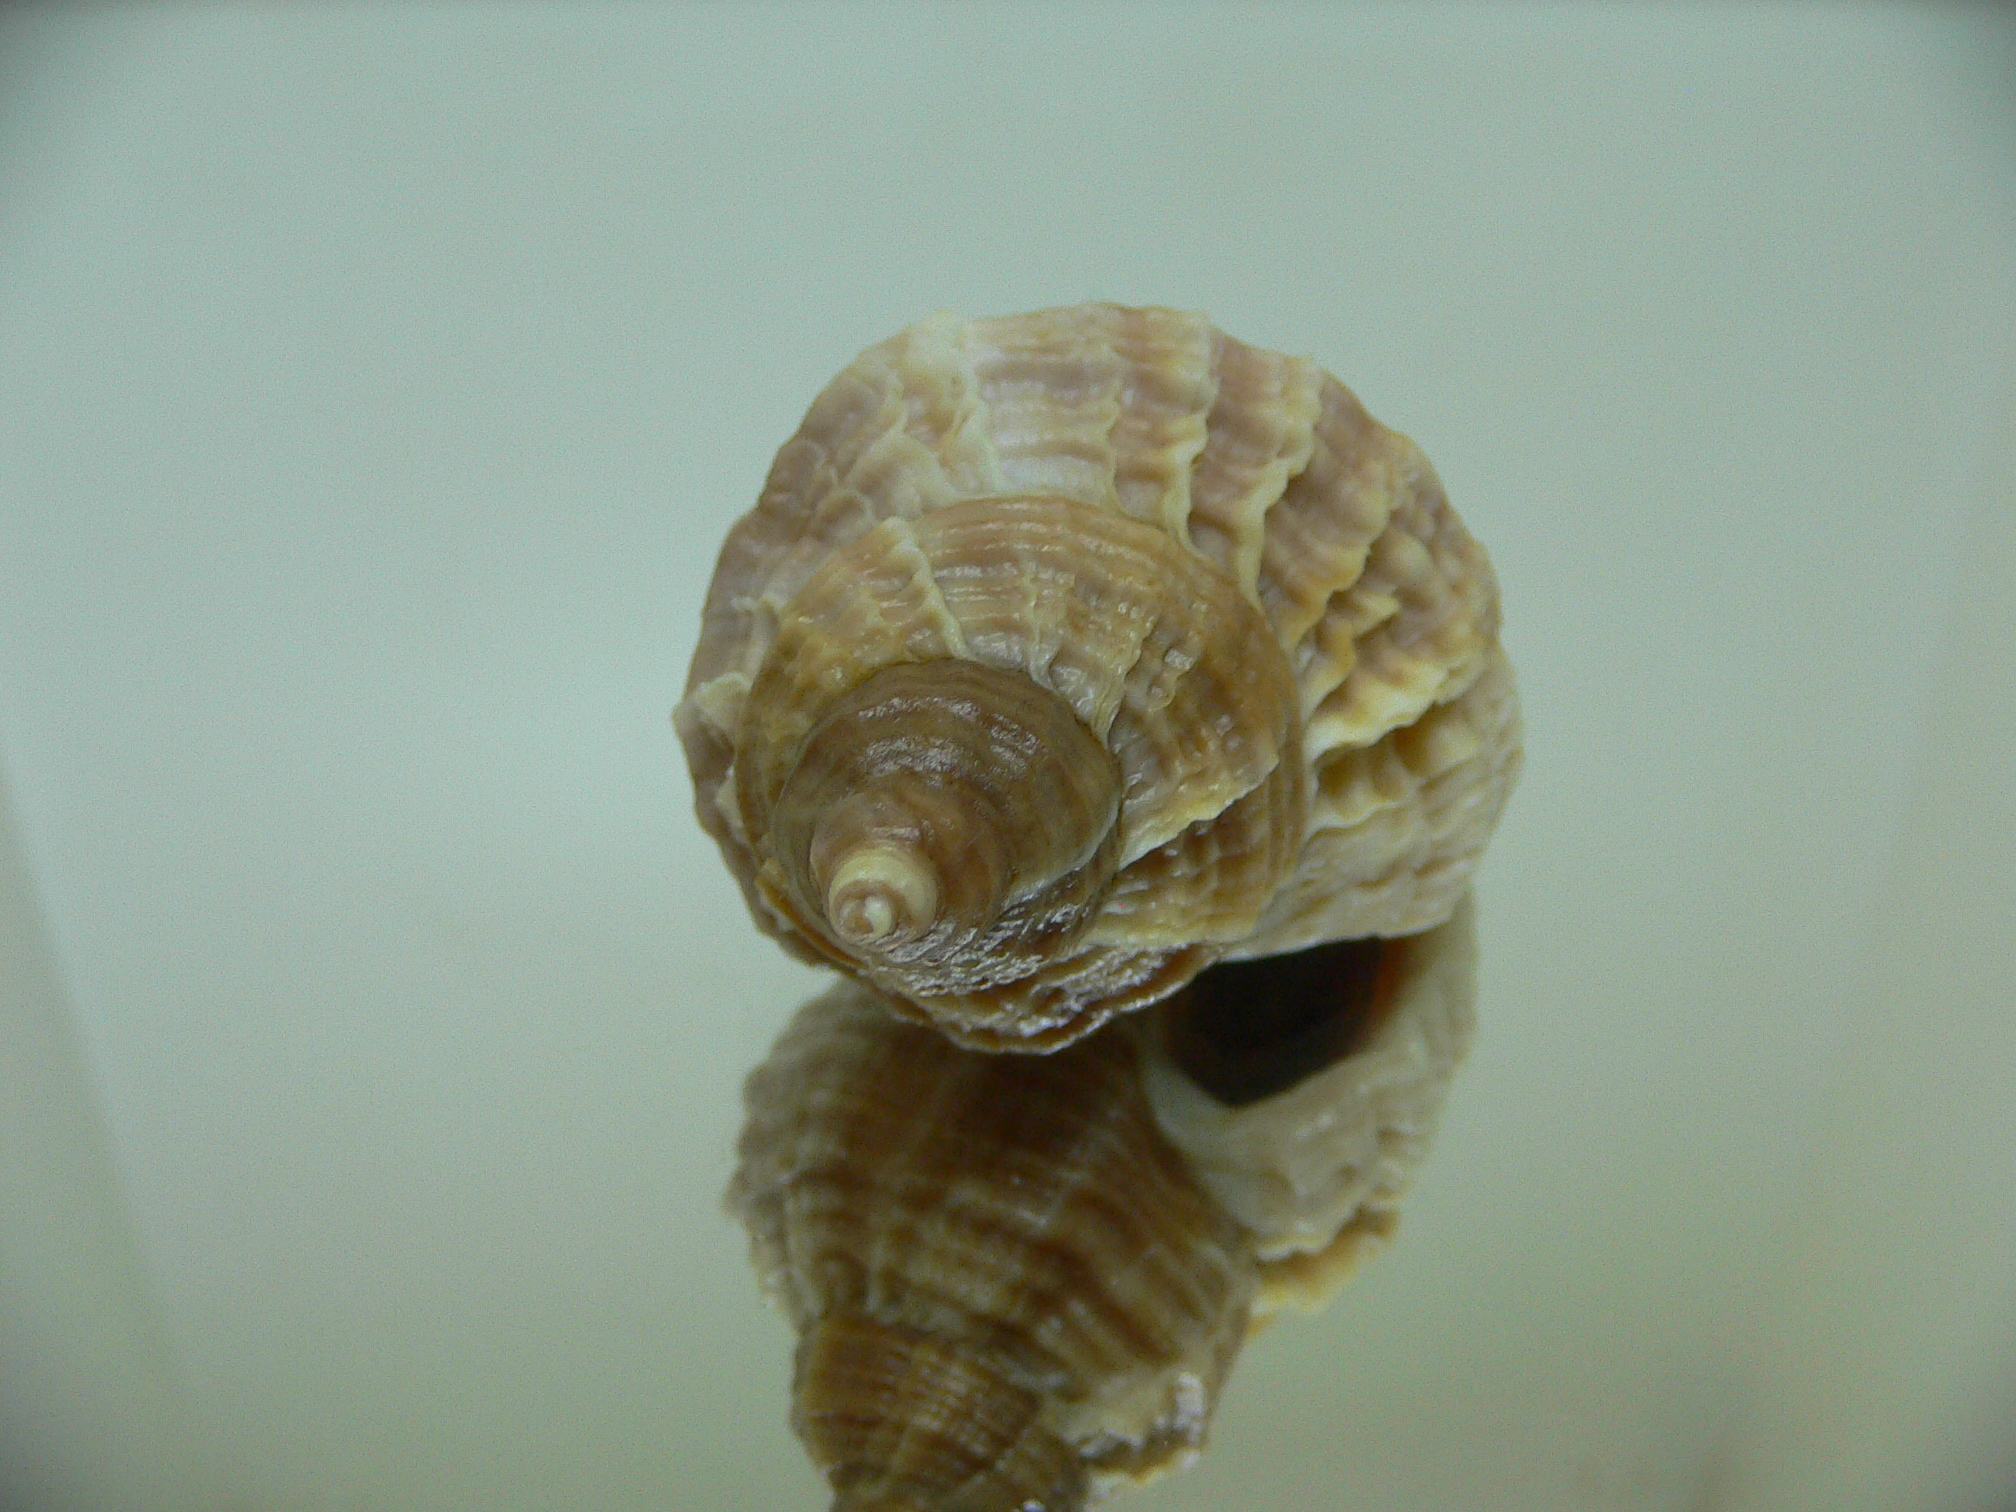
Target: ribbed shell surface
[[1012, 1229], [1301, 681]]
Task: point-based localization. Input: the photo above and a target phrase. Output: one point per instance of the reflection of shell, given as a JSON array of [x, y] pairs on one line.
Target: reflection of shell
[[1010, 1288], [1068, 652], [988, 1259]]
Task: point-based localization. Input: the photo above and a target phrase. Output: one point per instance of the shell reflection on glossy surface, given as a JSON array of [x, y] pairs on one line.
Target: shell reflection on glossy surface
[[1020, 1281], [1066, 653]]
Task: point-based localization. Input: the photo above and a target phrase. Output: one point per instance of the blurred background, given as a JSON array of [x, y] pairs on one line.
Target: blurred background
[[376, 385]]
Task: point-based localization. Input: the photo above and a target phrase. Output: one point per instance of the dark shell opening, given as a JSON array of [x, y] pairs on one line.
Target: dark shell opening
[[1247, 1030]]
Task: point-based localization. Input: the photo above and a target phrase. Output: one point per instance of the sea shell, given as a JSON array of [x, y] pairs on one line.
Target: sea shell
[[1020, 1281], [1064, 654]]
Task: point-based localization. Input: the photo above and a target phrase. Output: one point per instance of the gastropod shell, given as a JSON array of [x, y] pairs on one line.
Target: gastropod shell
[[1067, 653]]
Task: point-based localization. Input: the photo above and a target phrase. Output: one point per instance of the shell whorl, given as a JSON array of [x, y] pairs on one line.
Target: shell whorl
[[1249, 595]]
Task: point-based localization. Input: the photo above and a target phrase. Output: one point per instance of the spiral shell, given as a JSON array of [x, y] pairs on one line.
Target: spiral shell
[[1019, 1282], [1066, 653]]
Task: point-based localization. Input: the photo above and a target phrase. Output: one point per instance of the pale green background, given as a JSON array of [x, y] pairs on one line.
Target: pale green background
[[375, 387]]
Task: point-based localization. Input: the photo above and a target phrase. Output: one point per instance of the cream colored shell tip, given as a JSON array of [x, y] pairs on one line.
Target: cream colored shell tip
[[1066, 653]]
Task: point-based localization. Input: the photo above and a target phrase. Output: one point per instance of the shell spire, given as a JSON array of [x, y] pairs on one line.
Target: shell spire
[[906, 837], [901, 1421], [1066, 653]]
